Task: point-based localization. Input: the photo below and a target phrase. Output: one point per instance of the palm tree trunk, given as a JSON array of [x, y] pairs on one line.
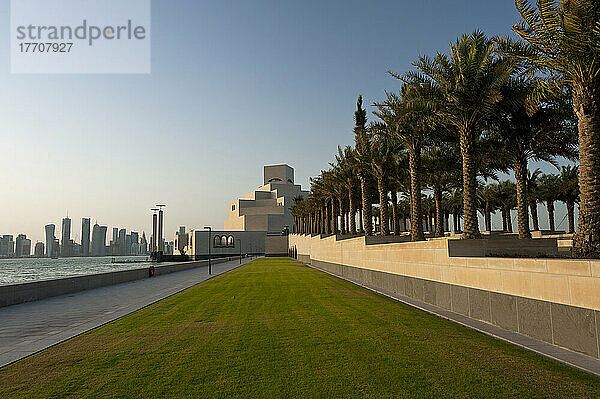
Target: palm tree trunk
[[416, 213], [520, 168], [352, 212], [367, 211], [488, 217], [334, 228], [360, 220], [504, 222], [534, 215], [509, 221], [586, 102], [395, 219], [455, 220], [550, 206], [439, 212], [467, 149], [342, 219], [383, 205], [446, 221], [571, 215]]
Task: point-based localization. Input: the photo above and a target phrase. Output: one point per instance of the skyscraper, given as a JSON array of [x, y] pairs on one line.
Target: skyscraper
[[85, 237], [66, 237], [121, 242], [103, 230], [22, 246], [39, 250], [143, 244], [7, 246], [99, 240], [49, 239]]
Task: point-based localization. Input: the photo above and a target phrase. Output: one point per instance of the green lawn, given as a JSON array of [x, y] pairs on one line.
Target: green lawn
[[275, 328]]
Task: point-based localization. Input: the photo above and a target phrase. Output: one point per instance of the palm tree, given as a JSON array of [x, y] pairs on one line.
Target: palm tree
[[488, 198], [381, 154], [442, 172], [507, 196], [409, 116], [568, 191], [399, 181], [533, 195], [548, 190], [346, 164], [561, 43], [363, 162], [469, 82], [520, 136], [455, 204]]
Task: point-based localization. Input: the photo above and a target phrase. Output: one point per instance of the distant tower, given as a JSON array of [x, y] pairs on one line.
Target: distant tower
[[85, 236], [66, 237], [103, 230], [96, 240], [39, 250], [50, 228], [21, 249]]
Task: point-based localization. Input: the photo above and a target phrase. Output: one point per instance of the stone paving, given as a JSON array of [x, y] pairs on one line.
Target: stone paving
[[577, 360], [30, 327]]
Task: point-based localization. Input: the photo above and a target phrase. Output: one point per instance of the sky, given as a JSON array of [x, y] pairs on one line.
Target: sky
[[235, 85]]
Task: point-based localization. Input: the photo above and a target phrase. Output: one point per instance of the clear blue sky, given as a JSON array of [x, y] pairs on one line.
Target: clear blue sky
[[234, 86]]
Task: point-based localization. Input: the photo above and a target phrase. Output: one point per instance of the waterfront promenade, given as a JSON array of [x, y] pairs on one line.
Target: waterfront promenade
[[30, 327]]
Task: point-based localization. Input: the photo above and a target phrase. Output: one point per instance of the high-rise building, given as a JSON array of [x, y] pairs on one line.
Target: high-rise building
[[7, 246], [121, 242], [143, 244], [55, 248], [50, 228], [22, 246], [127, 249], [103, 230], [181, 241], [39, 250], [66, 237], [99, 240], [85, 237]]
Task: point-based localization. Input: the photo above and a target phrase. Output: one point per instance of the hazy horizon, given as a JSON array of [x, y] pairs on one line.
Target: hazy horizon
[[234, 87]]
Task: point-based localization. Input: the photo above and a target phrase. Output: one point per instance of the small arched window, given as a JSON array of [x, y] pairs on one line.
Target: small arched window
[[217, 241], [230, 241], [224, 241]]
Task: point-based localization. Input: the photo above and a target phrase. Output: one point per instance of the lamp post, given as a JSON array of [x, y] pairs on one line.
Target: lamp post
[[209, 240], [240, 241]]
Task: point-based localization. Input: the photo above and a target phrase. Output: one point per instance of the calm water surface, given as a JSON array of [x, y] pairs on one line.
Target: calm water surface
[[31, 269]]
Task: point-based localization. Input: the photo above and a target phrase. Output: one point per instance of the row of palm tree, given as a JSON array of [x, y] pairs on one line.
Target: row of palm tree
[[541, 188], [488, 105]]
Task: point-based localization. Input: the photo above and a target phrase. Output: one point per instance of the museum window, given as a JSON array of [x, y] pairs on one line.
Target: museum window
[[233, 207], [230, 241], [217, 241], [223, 241]]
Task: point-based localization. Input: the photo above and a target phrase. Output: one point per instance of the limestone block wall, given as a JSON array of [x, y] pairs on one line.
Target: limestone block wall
[[554, 300]]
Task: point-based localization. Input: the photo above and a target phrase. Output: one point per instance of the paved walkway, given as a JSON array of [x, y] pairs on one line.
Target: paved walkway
[[577, 360], [30, 327]]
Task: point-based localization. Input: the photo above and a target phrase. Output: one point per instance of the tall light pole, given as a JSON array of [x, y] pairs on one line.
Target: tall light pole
[[240, 241], [209, 241]]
